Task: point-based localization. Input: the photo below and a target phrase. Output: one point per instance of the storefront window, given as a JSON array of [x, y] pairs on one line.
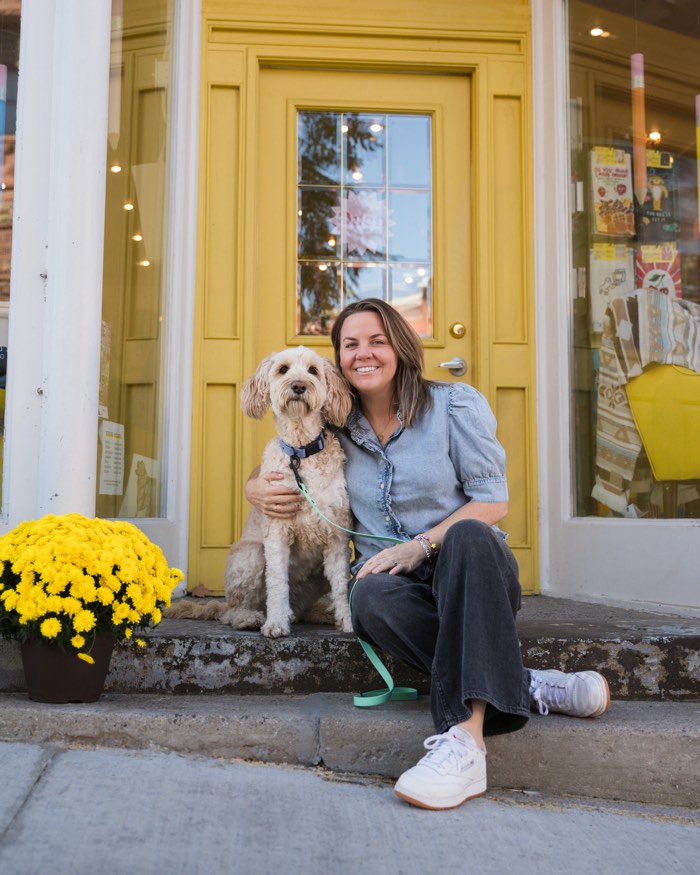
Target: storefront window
[[9, 57], [130, 476], [635, 200]]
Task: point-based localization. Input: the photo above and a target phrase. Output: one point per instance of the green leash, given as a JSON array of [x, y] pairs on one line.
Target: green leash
[[390, 693]]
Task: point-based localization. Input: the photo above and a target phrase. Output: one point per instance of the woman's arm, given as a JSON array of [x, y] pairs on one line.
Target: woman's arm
[[406, 557], [271, 497]]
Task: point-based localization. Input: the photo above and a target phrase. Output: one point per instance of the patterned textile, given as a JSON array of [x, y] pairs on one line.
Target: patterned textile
[[638, 330]]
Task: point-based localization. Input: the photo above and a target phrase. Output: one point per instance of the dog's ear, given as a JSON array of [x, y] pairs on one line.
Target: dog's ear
[[255, 394], [339, 397]]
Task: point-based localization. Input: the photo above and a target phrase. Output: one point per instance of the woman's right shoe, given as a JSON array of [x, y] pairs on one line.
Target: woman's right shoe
[[453, 770], [578, 694]]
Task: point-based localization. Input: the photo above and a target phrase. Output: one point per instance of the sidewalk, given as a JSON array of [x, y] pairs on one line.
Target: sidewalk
[[76, 812]]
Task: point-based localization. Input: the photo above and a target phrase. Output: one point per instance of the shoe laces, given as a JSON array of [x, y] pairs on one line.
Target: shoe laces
[[444, 750], [550, 694]]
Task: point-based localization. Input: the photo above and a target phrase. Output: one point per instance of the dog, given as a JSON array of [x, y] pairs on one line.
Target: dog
[[281, 567]]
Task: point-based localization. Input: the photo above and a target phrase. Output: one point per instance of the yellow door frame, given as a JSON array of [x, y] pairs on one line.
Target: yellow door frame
[[488, 42]]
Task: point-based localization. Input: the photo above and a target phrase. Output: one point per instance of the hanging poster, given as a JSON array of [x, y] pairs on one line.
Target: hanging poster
[[657, 218], [112, 460], [658, 267], [612, 275], [611, 192]]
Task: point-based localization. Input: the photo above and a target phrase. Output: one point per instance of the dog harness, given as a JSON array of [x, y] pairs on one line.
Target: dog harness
[[296, 454]]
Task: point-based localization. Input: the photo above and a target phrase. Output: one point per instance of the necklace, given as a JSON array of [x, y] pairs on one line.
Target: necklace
[[385, 431]]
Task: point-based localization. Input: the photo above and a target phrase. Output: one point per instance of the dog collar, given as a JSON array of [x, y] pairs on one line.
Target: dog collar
[[310, 449]]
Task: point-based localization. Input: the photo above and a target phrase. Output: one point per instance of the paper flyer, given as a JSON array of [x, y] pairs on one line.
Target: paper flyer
[[611, 275], [611, 192], [658, 267]]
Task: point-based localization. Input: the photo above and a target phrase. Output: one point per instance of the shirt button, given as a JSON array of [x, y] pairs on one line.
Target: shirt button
[[387, 518], [381, 485]]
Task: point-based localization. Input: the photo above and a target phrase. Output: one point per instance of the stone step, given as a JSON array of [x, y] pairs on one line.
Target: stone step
[[643, 655], [639, 752]]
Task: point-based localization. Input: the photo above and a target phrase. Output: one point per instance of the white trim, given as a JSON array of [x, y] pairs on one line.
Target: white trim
[[552, 257], [57, 259], [171, 531], [29, 241], [642, 563]]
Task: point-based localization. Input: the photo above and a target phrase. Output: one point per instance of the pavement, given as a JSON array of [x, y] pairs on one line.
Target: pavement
[[72, 811]]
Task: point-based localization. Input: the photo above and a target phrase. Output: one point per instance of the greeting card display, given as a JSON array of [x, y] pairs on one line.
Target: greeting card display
[[658, 267], [611, 192], [612, 275], [657, 216]]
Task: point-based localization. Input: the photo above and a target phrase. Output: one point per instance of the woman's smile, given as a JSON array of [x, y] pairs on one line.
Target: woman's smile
[[367, 359]]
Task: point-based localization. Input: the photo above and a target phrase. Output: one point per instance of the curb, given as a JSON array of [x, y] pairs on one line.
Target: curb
[[636, 752]]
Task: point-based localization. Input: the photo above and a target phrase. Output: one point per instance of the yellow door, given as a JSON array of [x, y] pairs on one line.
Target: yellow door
[[432, 111], [364, 197]]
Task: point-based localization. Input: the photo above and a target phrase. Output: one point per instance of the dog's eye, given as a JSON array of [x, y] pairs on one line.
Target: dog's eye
[[313, 371], [284, 369]]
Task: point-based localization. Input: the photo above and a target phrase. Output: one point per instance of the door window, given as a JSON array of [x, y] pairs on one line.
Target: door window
[[364, 215]]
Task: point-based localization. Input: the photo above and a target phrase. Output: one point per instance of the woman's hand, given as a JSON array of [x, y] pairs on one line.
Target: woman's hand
[[270, 497], [400, 559]]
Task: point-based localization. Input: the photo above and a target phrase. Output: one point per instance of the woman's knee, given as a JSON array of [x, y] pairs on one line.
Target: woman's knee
[[468, 533]]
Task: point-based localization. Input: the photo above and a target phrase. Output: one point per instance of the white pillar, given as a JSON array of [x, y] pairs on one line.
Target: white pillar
[[78, 136]]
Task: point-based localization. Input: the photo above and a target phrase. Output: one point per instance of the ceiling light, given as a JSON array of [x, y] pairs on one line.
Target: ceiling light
[[128, 206]]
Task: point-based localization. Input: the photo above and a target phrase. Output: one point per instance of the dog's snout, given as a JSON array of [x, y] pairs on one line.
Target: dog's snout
[[298, 388]]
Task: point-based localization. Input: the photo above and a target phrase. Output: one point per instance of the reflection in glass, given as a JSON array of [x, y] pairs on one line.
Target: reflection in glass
[[411, 214], [131, 478], [317, 224], [364, 213], [635, 296], [318, 287]]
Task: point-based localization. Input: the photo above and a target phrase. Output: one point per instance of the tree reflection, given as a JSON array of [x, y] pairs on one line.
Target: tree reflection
[[321, 159]]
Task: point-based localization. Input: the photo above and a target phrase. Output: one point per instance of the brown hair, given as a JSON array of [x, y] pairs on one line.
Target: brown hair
[[412, 389]]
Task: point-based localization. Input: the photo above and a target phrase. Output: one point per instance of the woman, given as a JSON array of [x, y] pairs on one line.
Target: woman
[[424, 465]]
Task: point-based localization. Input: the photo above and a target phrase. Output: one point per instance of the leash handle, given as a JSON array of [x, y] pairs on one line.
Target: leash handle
[[390, 693]]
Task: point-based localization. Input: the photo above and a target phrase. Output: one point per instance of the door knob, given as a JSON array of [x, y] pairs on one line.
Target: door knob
[[456, 366]]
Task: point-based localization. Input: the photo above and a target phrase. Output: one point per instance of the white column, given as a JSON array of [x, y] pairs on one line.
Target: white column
[[78, 134], [29, 240]]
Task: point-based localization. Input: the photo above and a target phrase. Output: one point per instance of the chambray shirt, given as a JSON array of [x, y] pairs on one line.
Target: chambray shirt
[[422, 474]]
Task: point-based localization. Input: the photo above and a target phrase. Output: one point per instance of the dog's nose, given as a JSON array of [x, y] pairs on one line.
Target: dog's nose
[[298, 388]]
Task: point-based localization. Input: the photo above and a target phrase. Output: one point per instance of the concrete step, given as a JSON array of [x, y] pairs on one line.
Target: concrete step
[[643, 655], [637, 752]]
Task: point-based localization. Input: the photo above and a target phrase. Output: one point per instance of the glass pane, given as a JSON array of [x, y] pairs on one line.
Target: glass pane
[[635, 143], [410, 212], [373, 221], [9, 57], [131, 479], [319, 148], [318, 225]]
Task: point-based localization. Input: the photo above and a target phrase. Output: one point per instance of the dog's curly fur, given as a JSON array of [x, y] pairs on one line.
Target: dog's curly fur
[[280, 568]]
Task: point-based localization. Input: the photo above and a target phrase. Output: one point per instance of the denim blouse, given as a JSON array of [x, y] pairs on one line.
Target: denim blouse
[[423, 473]]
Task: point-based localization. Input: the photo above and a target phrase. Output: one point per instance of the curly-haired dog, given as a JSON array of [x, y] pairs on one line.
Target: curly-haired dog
[[280, 567]]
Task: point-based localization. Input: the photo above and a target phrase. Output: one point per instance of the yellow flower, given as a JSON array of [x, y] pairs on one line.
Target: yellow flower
[[128, 633], [50, 628], [77, 641], [86, 658], [140, 642], [84, 621]]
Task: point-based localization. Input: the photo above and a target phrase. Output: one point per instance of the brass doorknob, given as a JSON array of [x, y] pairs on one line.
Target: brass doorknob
[[458, 329]]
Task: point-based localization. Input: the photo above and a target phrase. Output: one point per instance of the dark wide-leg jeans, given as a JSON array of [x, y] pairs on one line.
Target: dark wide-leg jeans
[[458, 627]]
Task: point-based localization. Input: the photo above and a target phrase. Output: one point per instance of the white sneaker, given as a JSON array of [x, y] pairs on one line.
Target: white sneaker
[[580, 694], [453, 770]]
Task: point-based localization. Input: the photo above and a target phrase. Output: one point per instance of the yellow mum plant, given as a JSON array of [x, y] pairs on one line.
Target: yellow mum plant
[[66, 579]]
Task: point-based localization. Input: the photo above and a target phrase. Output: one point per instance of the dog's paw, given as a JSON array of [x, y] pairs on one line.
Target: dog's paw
[[275, 629], [343, 621]]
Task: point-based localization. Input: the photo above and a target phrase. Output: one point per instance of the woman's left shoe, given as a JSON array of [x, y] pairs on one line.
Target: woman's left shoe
[[453, 770], [578, 694]]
